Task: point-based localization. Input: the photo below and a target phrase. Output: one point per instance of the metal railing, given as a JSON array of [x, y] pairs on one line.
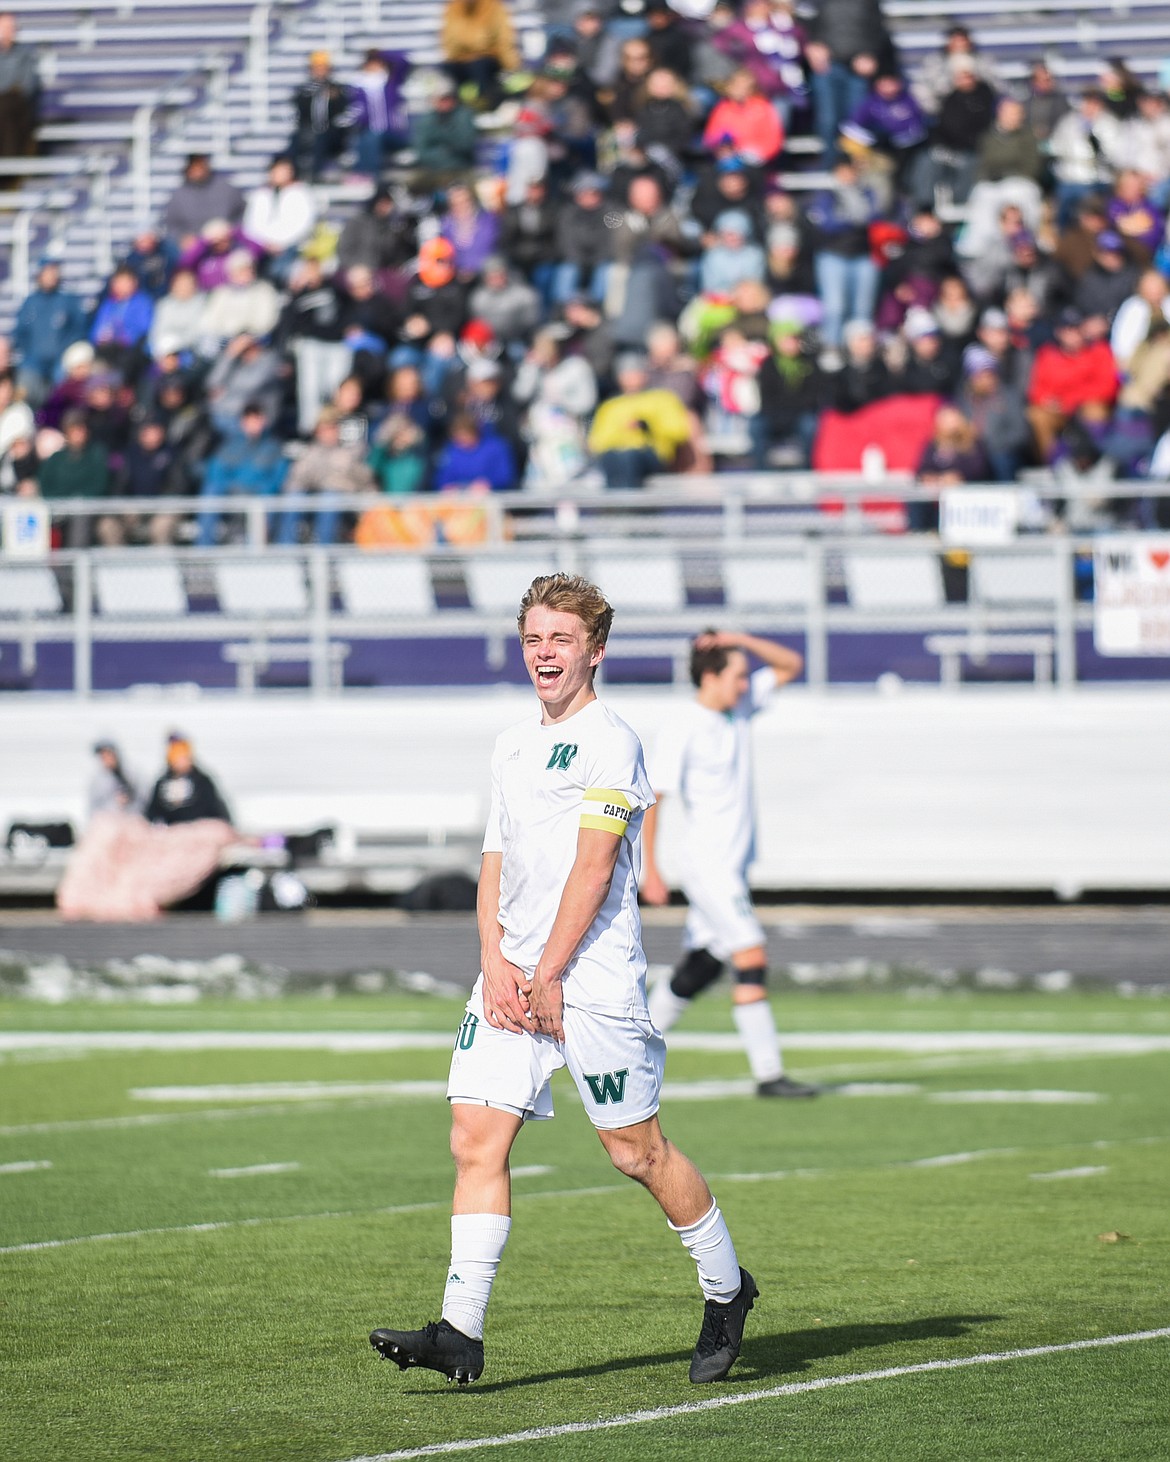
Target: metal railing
[[309, 603]]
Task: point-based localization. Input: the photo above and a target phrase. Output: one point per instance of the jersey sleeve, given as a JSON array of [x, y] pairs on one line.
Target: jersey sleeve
[[492, 840], [616, 787], [763, 683]]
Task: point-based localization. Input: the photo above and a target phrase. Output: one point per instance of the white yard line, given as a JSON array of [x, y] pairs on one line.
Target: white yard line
[[746, 1398], [287, 1091], [1068, 1173], [1009, 1096], [256, 1170], [906, 1042], [8, 1168]]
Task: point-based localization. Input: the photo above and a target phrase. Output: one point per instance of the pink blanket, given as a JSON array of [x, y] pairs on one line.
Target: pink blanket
[[126, 869]]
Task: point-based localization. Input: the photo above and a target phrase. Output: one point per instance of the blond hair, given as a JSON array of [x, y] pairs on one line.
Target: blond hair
[[570, 594]]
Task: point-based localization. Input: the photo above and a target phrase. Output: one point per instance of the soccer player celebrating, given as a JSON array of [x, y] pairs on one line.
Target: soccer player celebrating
[[563, 983], [703, 755]]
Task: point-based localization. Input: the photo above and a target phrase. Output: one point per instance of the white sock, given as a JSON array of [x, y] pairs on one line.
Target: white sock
[[477, 1242], [709, 1244], [757, 1031], [665, 1005]]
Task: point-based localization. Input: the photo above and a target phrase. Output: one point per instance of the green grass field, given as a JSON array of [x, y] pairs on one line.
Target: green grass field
[[159, 1301]]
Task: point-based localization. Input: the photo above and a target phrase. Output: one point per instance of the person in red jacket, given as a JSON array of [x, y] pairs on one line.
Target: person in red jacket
[[746, 121], [1070, 378]]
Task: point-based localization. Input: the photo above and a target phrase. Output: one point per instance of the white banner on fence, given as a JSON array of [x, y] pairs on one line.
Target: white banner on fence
[[26, 528], [1132, 595], [978, 517]]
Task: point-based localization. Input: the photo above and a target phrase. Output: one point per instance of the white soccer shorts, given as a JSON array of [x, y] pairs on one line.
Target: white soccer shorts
[[720, 917], [616, 1063]]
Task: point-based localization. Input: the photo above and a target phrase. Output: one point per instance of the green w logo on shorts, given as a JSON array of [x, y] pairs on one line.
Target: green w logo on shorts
[[608, 1086], [562, 754]]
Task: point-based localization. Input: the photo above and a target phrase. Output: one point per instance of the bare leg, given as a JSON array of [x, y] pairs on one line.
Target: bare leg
[[643, 1153], [481, 1140]]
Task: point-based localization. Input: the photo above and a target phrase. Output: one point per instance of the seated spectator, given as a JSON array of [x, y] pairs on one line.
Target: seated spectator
[[249, 462], [365, 311], [649, 220], [377, 113], [1132, 214], [189, 433], [955, 311], [320, 103], [1085, 146], [81, 469], [528, 232], [312, 310], [792, 393], [472, 231], [1070, 380], [930, 369], [1076, 246], [1045, 104], [152, 260], [863, 378], [746, 121], [381, 237], [243, 305], [478, 43], [954, 455], [507, 304], [768, 41], [71, 391], [328, 469], [966, 114], [444, 139], [107, 412], [936, 76], [151, 468], [898, 127], [176, 327], [1008, 149], [669, 41], [987, 265], [1120, 88], [184, 792], [17, 431], [559, 394], [354, 420], [244, 371], [280, 216], [733, 257], [1141, 406], [911, 275], [640, 430], [1147, 145], [201, 198], [436, 301], [664, 119], [48, 322], [480, 391], [789, 268], [847, 277], [996, 412], [622, 94], [122, 323], [726, 183], [584, 242], [669, 367], [1137, 315], [529, 153], [1109, 280], [845, 45], [1030, 270], [20, 89], [475, 458], [399, 459]]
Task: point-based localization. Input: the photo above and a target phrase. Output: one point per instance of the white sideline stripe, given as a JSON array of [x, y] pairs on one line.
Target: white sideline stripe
[[1037, 1097], [286, 1091], [163, 1119], [22, 1167], [1068, 1173], [876, 1089], [953, 1159], [533, 1170], [772, 1393], [905, 1042], [256, 1170]]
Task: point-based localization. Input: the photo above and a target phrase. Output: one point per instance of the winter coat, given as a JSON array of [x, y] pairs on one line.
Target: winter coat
[[755, 130], [721, 269], [1103, 291], [849, 28], [473, 241], [122, 322], [186, 797], [895, 122], [309, 314], [234, 381], [513, 311], [528, 234], [964, 117], [1009, 155], [375, 102], [76, 474], [582, 236], [936, 78], [771, 52], [247, 466], [250, 309], [280, 218], [152, 472], [321, 468], [47, 322], [840, 220], [192, 205], [999, 418], [483, 30], [490, 459], [1071, 380], [665, 123], [378, 243], [177, 325], [445, 142], [1087, 155]]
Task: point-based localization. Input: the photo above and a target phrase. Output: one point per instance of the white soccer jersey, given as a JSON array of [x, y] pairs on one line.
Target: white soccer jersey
[[704, 757], [547, 783]]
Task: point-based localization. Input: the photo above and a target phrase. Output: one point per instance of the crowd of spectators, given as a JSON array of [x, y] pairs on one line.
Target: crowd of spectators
[[595, 267]]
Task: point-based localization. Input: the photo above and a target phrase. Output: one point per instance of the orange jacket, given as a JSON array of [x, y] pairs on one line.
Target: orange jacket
[[1089, 374], [753, 126]]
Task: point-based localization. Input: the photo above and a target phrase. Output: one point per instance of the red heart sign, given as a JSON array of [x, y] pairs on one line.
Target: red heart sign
[[1159, 557]]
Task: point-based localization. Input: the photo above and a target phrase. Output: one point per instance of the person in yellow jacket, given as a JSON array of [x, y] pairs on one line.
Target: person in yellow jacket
[[638, 431], [478, 43]]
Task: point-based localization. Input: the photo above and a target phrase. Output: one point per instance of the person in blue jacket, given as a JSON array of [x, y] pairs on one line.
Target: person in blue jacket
[[48, 322], [249, 463], [122, 322], [475, 457]]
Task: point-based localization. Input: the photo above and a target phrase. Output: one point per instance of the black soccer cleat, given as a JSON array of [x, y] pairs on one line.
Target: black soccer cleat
[[784, 1086], [436, 1347], [722, 1333]]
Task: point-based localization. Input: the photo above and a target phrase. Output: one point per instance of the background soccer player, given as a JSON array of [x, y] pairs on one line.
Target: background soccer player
[[703, 756], [563, 983]]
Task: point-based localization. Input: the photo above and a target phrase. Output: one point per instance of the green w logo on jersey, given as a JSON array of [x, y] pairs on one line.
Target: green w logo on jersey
[[562, 754], [608, 1086]]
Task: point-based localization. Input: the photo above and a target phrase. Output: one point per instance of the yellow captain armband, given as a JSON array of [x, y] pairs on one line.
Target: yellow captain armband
[[606, 810]]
